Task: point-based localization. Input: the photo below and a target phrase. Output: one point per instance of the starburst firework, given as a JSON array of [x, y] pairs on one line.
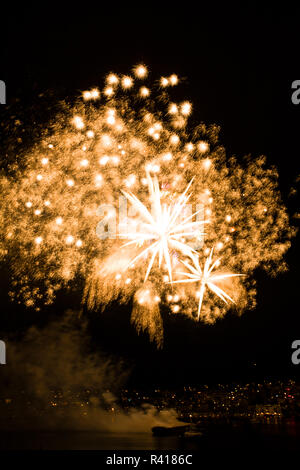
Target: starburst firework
[[162, 227], [206, 278]]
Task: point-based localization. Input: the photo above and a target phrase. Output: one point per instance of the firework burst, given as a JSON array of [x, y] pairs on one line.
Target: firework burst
[[205, 277], [62, 220], [162, 227]]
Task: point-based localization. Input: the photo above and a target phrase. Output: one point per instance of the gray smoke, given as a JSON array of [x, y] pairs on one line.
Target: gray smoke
[[53, 381]]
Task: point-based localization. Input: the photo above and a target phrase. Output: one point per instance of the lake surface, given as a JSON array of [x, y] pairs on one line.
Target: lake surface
[[264, 436]]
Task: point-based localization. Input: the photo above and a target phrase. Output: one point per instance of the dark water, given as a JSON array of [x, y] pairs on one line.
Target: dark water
[[264, 436]]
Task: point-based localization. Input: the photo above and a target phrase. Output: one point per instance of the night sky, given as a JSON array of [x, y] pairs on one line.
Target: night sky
[[239, 66]]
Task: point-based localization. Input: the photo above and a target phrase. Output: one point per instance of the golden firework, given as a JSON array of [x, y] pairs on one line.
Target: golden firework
[[99, 151], [162, 228], [205, 277]]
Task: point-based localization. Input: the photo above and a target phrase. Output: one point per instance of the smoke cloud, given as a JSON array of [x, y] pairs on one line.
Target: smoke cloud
[[53, 380]]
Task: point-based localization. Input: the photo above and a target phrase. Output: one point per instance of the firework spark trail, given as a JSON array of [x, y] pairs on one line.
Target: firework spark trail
[[105, 146]]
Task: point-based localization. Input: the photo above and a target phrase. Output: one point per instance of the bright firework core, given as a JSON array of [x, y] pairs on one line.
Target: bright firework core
[[129, 138], [162, 228]]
